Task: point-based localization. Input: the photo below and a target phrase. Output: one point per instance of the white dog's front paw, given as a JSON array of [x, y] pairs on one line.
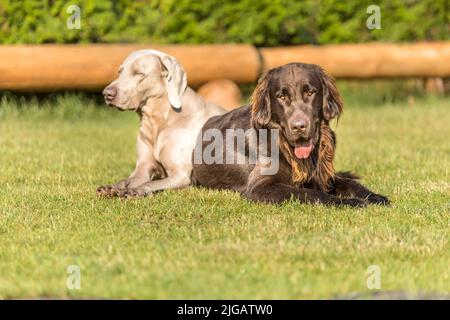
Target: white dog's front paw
[[133, 193]]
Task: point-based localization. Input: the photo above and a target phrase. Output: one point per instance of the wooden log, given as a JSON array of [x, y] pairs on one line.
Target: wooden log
[[222, 92], [435, 85], [50, 67], [368, 60]]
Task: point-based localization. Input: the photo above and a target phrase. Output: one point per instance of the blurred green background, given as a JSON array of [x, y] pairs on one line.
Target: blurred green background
[[262, 23]]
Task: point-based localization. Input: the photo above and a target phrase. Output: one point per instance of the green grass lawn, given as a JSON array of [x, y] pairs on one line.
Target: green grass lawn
[[198, 243]]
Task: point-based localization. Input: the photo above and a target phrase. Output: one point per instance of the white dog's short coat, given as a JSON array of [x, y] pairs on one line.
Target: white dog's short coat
[[154, 84]]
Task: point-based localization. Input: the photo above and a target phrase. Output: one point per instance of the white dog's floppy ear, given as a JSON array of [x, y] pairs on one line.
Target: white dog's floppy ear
[[176, 81]]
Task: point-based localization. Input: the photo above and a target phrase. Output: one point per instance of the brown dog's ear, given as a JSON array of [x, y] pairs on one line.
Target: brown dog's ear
[[260, 102], [332, 105]]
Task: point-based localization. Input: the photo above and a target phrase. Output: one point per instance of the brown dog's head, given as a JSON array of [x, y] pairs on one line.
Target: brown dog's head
[[296, 97]]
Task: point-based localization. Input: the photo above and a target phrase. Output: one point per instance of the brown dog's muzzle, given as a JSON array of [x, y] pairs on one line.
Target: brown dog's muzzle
[[299, 125]]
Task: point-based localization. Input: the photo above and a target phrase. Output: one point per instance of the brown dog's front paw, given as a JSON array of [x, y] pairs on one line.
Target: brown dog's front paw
[[353, 202], [132, 194], [378, 199]]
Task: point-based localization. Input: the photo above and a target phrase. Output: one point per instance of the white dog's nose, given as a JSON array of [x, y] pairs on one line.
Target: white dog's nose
[[109, 93]]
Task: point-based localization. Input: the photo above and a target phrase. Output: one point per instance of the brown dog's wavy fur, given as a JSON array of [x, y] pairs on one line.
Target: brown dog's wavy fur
[[318, 168], [324, 172], [260, 103], [332, 100]]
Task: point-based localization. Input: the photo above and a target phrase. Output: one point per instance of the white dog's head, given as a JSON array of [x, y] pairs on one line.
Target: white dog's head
[[143, 75]]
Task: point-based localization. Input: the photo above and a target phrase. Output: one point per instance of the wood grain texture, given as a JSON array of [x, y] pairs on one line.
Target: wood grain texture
[[369, 60], [49, 67]]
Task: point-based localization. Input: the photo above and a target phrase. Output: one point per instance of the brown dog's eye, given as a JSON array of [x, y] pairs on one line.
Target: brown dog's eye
[[310, 92], [281, 96]]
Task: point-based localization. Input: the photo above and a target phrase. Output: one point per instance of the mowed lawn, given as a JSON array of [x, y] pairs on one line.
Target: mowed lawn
[[198, 243]]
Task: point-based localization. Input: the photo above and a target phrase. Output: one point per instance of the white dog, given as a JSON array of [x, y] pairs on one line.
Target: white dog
[[154, 84]]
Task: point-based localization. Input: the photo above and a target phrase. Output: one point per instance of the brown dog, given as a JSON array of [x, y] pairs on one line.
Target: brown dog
[[297, 101]]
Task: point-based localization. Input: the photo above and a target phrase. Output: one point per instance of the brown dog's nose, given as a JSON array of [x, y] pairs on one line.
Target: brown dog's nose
[[109, 93], [299, 125]]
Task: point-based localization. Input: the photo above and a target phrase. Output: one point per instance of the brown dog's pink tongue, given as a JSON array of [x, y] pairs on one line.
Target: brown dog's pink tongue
[[303, 152]]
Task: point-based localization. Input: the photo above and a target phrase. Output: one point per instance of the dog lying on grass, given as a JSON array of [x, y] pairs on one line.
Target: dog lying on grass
[[154, 84], [297, 101]]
